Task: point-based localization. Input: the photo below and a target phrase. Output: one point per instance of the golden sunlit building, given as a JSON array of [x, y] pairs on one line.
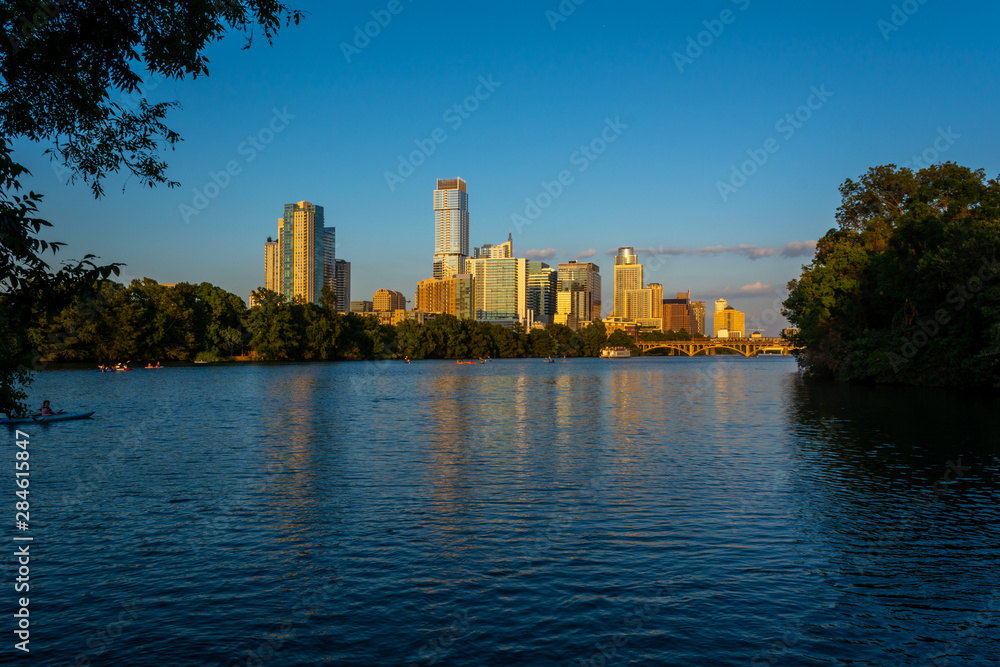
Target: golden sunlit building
[[628, 277], [388, 300], [730, 323]]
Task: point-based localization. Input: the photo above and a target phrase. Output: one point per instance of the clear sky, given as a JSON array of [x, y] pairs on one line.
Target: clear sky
[[667, 98]]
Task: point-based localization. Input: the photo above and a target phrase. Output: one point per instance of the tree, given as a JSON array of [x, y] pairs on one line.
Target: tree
[[61, 61], [907, 288]]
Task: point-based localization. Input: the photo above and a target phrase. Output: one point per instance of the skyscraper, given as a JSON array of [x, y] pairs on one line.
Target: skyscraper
[[500, 287], [451, 227], [302, 250], [541, 285], [679, 313], [578, 300], [342, 285], [272, 265], [329, 269], [628, 276], [699, 316]]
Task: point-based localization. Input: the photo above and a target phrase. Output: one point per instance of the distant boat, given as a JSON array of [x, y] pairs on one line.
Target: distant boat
[[41, 419], [459, 361], [548, 360], [200, 361], [615, 353]]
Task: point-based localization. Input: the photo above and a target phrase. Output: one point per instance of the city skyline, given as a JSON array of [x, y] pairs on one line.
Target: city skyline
[[610, 130]]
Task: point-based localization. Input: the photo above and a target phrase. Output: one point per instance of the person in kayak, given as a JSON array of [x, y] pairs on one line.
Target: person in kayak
[[45, 410]]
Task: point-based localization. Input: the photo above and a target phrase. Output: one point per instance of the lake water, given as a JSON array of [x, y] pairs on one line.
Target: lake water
[[648, 511]]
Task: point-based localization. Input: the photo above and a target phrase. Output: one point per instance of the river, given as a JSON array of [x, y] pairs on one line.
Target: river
[[647, 511]]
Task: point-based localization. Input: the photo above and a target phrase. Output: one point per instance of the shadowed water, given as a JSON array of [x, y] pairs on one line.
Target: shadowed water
[[653, 511]]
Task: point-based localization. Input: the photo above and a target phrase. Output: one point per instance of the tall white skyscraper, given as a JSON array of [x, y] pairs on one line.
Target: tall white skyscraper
[[451, 227]]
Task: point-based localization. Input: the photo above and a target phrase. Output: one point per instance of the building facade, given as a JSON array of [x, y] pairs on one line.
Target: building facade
[[578, 300], [272, 265], [500, 289], [699, 315], [628, 277], [388, 299], [679, 313], [342, 284], [362, 307], [300, 262], [730, 323], [541, 285], [451, 227]]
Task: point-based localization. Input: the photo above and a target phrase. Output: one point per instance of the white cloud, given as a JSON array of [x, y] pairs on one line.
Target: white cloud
[[536, 255], [755, 288], [793, 249], [586, 253]]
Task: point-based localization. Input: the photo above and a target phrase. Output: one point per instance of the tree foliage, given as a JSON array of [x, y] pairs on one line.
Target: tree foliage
[[73, 75], [145, 322], [907, 288]]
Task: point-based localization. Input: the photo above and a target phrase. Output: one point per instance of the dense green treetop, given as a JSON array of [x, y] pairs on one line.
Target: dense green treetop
[[907, 288]]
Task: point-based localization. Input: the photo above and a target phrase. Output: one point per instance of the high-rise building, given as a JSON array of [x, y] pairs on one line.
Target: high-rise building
[[329, 269], [302, 247], [272, 265], [451, 227], [300, 262], [699, 315], [578, 300], [388, 299], [628, 276], [720, 305], [730, 323], [342, 284], [465, 297], [541, 297], [500, 288], [362, 307], [436, 295], [679, 313]]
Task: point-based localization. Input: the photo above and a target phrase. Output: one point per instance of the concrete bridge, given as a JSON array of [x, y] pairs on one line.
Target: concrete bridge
[[748, 347]]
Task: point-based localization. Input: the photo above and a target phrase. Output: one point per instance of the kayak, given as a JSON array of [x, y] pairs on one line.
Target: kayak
[[39, 419]]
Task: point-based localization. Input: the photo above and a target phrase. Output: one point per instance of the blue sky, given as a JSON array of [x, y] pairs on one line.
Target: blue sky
[[872, 84]]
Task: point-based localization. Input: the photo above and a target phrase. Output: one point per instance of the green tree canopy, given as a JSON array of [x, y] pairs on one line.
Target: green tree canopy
[[61, 63], [907, 288]]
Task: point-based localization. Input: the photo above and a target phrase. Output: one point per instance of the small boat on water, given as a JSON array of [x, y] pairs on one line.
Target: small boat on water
[[200, 361], [615, 353], [459, 361], [42, 419], [548, 360]]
